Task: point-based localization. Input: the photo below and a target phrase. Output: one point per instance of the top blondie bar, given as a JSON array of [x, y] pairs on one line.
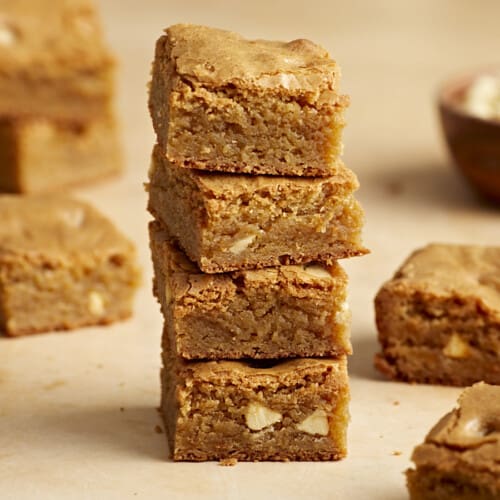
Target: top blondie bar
[[221, 102], [54, 60]]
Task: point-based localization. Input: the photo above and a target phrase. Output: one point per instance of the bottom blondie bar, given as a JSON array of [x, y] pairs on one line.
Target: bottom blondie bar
[[292, 410], [460, 458], [38, 155]]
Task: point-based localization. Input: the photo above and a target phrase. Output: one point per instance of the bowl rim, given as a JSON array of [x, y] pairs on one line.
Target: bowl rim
[[457, 84]]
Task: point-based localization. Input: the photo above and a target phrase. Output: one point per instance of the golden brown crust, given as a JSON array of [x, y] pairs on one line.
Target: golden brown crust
[[55, 227], [461, 270], [217, 57], [54, 60], [473, 426], [268, 372], [220, 185], [50, 33]]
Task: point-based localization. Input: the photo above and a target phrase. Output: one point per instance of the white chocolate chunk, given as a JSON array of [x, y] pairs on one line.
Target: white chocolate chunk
[[96, 303], [288, 81], [258, 417], [73, 218], [242, 244], [83, 26], [315, 423], [483, 97], [473, 428], [8, 36], [317, 271], [344, 314], [456, 347]]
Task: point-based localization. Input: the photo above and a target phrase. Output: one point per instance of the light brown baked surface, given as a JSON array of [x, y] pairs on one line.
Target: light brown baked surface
[[219, 410], [225, 223], [280, 312], [220, 102], [439, 317], [218, 57], [54, 60], [460, 457], [62, 265], [38, 155]]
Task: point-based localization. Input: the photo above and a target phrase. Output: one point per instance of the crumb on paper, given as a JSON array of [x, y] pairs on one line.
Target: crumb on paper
[[158, 429], [54, 385], [228, 462], [396, 453]]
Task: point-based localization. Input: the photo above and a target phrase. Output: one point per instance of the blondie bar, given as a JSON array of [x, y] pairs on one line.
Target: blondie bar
[[277, 312], [39, 155], [220, 102], [460, 458], [54, 61], [62, 265], [230, 222], [439, 317], [293, 410]]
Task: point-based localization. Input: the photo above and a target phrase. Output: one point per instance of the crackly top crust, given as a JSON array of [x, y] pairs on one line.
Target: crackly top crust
[[265, 371], [51, 35], [219, 186], [53, 228], [217, 57], [458, 270], [467, 436], [475, 422]]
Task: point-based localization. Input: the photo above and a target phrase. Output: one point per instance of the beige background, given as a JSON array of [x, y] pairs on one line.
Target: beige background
[[78, 410]]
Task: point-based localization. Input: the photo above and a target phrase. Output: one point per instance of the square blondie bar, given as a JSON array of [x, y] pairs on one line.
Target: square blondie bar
[[230, 222], [54, 61], [63, 265], [277, 312], [439, 317], [220, 102], [292, 410], [460, 458], [38, 155]]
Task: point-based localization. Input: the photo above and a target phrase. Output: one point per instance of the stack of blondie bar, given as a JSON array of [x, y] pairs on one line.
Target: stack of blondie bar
[[56, 85], [253, 208]]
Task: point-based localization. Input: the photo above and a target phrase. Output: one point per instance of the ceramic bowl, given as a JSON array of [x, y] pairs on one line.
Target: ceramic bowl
[[473, 142]]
